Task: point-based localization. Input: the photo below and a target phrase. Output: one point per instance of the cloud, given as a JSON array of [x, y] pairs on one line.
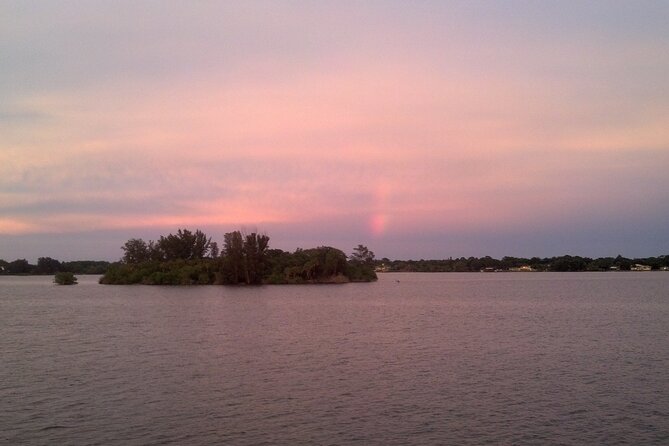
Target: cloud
[[401, 119]]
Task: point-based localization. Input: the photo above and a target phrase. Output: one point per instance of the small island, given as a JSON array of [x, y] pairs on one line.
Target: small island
[[65, 278], [192, 258]]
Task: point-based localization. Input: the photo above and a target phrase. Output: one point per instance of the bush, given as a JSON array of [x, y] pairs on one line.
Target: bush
[[65, 278]]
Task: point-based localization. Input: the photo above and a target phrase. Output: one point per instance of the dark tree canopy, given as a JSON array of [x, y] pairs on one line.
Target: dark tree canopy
[[246, 258], [19, 266], [135, 251], [65, 278], [213, 250], [243, 257], [184, 245], [362, 254], [47, 265]]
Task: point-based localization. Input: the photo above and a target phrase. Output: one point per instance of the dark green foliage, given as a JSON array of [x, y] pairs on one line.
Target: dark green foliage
[[623, 263], [65, 278], [233, 261], [182, 245], [361, 264], [360, 273], [243, 259], [362, 255], [569, 263], [277, 266], [560, 264], [85, 266], [317, 265], [322, 264], [255, 246], [135, 251], [334, 262], [118, 273], [175, 272], [246, 259], [213, 250], [47, 265], [19, 266], [181, 259]]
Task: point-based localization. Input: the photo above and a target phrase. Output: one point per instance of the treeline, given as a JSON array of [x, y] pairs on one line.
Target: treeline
[[188, 258], [47, 265], [560, 264]]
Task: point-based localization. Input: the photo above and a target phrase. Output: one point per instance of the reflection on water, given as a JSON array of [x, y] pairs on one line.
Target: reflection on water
[[412, 359]]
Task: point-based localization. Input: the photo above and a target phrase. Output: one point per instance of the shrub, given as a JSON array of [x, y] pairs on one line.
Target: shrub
[[65, 278]]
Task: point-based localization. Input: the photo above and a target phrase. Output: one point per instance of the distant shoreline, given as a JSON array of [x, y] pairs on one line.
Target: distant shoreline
[[378, 272], [567, 263]]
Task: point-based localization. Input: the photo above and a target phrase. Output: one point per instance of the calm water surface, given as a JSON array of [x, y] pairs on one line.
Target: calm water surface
[[536, 358]]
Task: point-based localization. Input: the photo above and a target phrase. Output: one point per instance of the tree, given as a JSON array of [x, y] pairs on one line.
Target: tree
[[623, 263], [233, 262], [176, 246], [19, 266], [361, 265], [213, 250], [47, 265], [334, 263], [184, 245], [255, 246], [155, 253], [362, 255], [136, 251], [200, 245], [243, 259]]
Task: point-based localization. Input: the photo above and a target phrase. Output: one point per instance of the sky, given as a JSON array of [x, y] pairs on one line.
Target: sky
[[426, 129]]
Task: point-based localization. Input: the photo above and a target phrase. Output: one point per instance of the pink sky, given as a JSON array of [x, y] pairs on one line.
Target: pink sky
[[422, 130]]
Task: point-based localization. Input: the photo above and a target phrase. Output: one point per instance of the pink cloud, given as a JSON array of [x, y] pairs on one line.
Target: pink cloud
[[411, 129]]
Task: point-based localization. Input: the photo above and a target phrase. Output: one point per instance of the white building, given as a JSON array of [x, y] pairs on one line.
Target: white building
[[640, 267]]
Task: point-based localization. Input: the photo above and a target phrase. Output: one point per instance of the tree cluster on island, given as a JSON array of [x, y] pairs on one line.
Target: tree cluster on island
[[188, 258]]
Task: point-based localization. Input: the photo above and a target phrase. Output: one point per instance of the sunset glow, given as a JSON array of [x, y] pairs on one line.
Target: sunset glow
[[422, 130]]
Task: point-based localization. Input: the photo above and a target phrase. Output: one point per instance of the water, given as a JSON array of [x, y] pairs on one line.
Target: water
[[535, 358]]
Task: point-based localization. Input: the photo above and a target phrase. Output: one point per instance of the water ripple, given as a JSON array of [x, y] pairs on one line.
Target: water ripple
[[441, 359]]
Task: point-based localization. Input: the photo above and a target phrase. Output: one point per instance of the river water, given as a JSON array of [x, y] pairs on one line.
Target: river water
[[420, 359]]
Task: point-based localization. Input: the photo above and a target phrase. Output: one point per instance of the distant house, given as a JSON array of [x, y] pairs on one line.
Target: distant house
[[664, 268], [523, 269], [640, 267], [614, 268]]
